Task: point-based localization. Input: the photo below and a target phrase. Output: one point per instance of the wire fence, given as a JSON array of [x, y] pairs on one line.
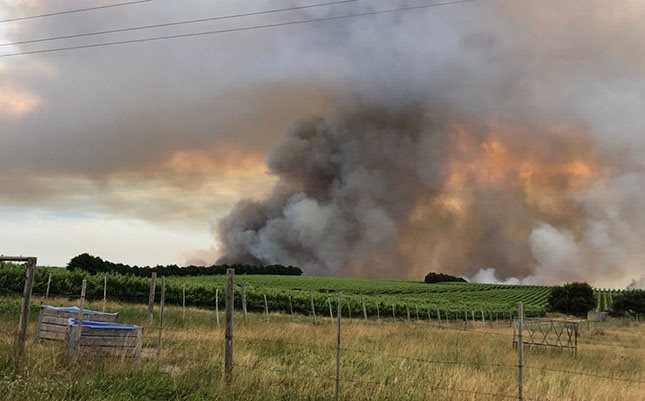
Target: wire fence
[[288, 371]]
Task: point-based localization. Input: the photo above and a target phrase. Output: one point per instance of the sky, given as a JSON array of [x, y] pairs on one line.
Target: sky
[[517, 129]]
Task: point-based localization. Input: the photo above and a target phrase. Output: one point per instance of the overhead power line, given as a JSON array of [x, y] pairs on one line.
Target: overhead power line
[[230, 30], [176, 23], [77, 10]]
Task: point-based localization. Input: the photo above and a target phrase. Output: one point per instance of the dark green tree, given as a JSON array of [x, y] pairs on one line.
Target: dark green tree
[[433, 277], [87, 263], [572, 298], [629, 303]]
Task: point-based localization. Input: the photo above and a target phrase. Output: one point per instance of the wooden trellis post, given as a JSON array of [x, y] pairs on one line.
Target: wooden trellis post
[[244, 311], [161, 312], [228, 331], [266, 307], [407, 310], [26, 302], [183, 302], [364, 308], [49, 282], [79, 324], [338, 348], [151, 296], [331, 313], [104, 293], [217, 306], [313, 307]]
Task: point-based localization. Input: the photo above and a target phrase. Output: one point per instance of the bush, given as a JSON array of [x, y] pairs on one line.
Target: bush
[[442, 278], [572, 298], [629, 303]]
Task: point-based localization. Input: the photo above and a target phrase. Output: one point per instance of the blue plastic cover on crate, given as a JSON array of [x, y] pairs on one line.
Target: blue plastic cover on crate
[[74, 309], [102, 325]]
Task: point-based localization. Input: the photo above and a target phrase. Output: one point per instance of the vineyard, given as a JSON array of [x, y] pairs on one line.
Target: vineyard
[[381, 297]]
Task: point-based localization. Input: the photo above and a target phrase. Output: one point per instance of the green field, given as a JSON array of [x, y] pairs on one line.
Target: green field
[[387, 298], [452, 298]]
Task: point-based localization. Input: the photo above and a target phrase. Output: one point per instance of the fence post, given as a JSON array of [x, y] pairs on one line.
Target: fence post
[[183, 302], [104, 292], [228, 331], [24, 310], [266, 307], [520, 348], [162, 300], [49, 282], [217, 306], [331, 312], [364, 308], [151, 297], [339, 313], [244, 311], [313, 307], [76, 343]]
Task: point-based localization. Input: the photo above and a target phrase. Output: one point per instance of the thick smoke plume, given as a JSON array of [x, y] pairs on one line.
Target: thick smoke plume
[[504, 159]]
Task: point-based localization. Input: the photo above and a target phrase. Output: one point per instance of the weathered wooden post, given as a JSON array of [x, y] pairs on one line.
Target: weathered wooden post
[[183, 302], [520, 348], [79, 324], [429, 316], [331, 312], [104, 293], [438, 314], [393, 313], [24, 309], [244, 311], [290, 305], [339, 313], [266, 307], [151, 296], [313, 307], [483, 318], [161, 312], [364, 308], [217, 306], [49, 282], [228, 331]]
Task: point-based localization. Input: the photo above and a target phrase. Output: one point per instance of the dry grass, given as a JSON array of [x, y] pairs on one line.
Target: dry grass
[[290, 359]]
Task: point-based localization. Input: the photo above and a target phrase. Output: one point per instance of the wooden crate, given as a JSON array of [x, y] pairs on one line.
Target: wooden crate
[[52, 320], [103, 339]]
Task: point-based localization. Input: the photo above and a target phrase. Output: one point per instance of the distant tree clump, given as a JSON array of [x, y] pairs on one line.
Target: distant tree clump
[[442, 278], [572, 298], [630, 302], [94, 265]]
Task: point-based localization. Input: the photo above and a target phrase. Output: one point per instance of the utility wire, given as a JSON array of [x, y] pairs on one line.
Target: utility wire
[[176, 23], [248, 28], [77, 10]]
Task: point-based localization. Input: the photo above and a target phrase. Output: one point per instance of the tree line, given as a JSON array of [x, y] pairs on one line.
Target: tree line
[[94, 264]]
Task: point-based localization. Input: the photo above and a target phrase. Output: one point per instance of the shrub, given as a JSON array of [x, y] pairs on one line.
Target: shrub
[[572, 298], [629, 303], [442, 278]]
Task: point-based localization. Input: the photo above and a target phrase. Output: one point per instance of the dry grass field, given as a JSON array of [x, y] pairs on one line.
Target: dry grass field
[[291, 359]]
